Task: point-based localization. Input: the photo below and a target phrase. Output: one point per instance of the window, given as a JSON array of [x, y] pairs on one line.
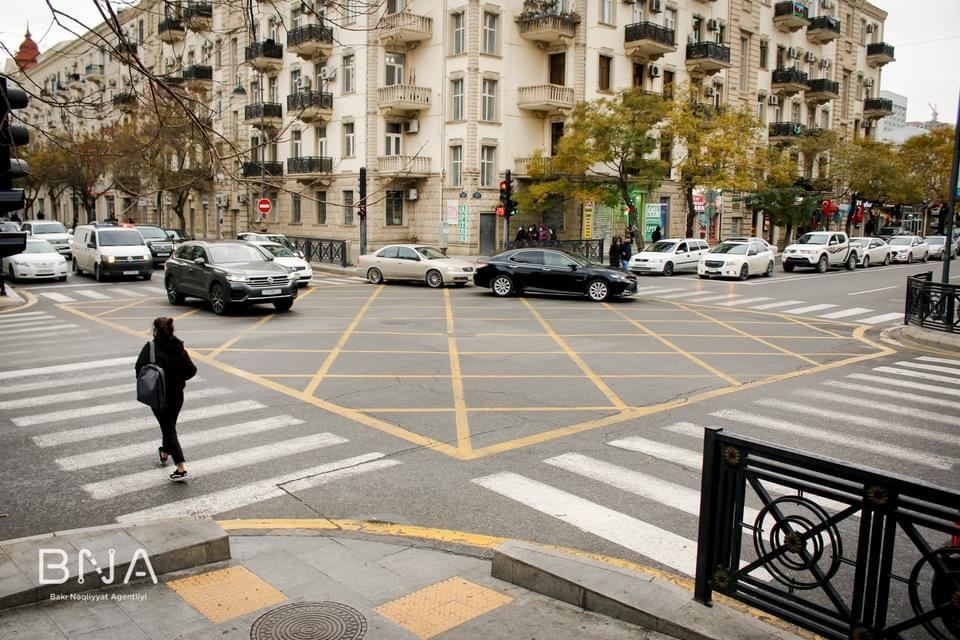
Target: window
[[670, 19], [458, 43], [744, 79], [488, 165], [406, 253], [606, 11], [456, 165], [392, 139], [321, 144], [350, 11], [348, 206], [603, 82], [394, 204], [488, 101], [395, 62], [321, 207], [274, 214], [456, 99], [395, 6], [490, 21], [762, 109], [668, 84], [764, 53], [295, 209], [348, 140], [348, 77], [296, 144]]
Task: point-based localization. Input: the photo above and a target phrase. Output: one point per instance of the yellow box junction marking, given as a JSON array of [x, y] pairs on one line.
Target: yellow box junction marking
[[226, 593], [456, 378]]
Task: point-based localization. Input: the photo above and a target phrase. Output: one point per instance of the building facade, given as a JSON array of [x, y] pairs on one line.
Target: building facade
[[437, 100]]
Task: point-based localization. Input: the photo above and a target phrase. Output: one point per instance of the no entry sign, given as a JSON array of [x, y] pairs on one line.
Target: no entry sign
[[264, 206]]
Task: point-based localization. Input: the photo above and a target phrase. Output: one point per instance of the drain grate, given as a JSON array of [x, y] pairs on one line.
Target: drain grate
[[310, 621]]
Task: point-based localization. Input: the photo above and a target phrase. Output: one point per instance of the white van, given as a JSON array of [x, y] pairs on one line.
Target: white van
[[111, 251]]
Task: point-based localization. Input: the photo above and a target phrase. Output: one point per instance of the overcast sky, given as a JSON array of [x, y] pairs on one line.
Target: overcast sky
[[925, 33]]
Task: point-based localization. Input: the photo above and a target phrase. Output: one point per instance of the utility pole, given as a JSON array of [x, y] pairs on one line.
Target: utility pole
[[362, 210], [952, 200]]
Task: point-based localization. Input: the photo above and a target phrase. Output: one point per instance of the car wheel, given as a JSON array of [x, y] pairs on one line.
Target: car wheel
[[769, 271], [926, 256], [822, 264], [851, 262], [501, 286], [98, 272], [434, 279], [218, 299], [283, 305], [744, 272], [668, 269], [147, 276], [597, 290], [173, 296], [12, 277], [910, 258], [76, 268], [886, 260], [787, 267], [866, 262], [374, 276]]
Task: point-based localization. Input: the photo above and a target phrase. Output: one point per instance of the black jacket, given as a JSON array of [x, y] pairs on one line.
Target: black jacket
[[173, 357]]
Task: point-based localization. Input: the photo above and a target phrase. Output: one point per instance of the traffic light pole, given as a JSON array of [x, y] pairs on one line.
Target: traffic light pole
[[952, 201], [11, 135], [362, 210]]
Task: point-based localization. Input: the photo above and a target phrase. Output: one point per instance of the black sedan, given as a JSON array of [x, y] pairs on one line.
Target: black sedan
[[551, 271]]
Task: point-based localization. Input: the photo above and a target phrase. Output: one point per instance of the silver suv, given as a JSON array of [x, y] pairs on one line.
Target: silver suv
[[159, 242], [52, 231]]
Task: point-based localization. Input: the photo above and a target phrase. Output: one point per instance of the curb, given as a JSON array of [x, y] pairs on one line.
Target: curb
[[911, 335]]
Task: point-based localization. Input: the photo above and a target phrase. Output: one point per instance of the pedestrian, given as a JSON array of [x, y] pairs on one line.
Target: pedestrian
[[521, 239], [626, 249], [656, 235], [554, 241], [173, 358], [615, 252], [542, 234]]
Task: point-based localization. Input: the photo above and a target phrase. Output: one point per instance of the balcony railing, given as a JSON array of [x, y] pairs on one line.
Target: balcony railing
[[548, 98], [264, 56], [253, 169], [404, 97], [790, 15], [785, 130], [94, 72], [413, 166], [74, 80], [310, 105], [523, 166], [549, 28], [877, 108], [879, 54], [822, 89], [405, 27], [648, 39], [823, 29], [125, 101], [788, 80], [198, 73], [198, 16], [171, 30], [707, 57], [309, 164], [266, 114], [311, 40]]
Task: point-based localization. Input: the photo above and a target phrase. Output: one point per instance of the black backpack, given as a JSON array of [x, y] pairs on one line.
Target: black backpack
[[152, 382]]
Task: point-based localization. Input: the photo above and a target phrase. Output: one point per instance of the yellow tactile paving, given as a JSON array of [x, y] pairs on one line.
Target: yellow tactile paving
[[442, 606], [226, 593]]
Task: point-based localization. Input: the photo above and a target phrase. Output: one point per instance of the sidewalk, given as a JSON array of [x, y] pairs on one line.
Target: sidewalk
[[333, 580]]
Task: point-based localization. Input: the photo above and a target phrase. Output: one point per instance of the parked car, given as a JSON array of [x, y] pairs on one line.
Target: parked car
[[909, 248], [39, 260], [669, 256], [111, 251], [938, 244], [285, 257], [7, 226], [279, 238], [872, 251], [228, 273], [737, 260], [821, 250], [415, 262], [772, 247], [176, 236], [521, 271], [50, 230], [159, 243]]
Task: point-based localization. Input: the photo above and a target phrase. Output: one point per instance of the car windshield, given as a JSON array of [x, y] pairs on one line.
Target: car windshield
[[814, 238], [734, 248], [860, 241], [119, 238], [901, 240], [936, 240], [49, 227], [430, 253], [278, 250], [152, 233], [225, 253], [39, 246], [662, 247]]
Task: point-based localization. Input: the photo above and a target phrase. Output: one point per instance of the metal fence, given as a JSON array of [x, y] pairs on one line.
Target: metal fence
[[841, 550], [320, 250], [932, 305], [591, 249]]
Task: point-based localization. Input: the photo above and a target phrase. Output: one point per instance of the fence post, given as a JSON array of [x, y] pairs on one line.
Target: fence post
[[708, 509]]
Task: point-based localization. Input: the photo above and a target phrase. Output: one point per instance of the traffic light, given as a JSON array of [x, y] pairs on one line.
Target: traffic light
[[506, 191], [11, 135]]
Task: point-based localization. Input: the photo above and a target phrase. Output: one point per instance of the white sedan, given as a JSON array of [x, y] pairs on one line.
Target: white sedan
[[872, 251], [938, 245], [283, 255], [668, 256], [39, 260], [415, 262], [909, 248], [737, 260]]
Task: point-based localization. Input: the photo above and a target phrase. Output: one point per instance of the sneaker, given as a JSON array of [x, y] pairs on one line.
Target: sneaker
[[177, 476], [163, 456]]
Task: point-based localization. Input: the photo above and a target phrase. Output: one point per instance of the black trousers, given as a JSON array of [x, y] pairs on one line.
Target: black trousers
[[167, 418]]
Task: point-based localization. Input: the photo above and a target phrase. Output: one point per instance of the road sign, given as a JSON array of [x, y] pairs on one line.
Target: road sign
[[264, 206]]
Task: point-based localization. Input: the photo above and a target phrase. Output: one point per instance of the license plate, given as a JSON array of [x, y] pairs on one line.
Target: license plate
[[163, 253], [130, 273], [271, 292]]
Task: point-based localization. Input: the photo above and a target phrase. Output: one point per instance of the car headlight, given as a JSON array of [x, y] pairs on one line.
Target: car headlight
[[109, 259], [291, 275], [236, 277]]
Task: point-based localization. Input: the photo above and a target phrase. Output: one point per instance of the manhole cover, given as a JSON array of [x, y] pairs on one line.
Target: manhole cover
[[310, 621]]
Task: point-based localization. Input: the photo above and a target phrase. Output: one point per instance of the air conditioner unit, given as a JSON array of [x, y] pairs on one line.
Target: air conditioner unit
[[239, 199], [113, 82], [713, 24], [810, 57], [792, 52], [871, 28], [656, 6], [708, 92], [411, 126], [220, 199], [303, 82], [654, 72], [412, 194], [773, 100], [327, 73], [825, 63], [868, 82]]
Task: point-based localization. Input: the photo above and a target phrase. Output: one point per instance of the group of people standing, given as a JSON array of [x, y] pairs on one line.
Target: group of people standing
[[537, 234], [621, 249]]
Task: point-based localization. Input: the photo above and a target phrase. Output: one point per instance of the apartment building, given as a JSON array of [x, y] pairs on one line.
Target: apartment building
[[437, 100]]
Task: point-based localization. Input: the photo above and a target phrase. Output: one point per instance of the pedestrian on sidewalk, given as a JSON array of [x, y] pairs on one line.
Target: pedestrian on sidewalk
[[626, 250], [173, 358], [615, 252]]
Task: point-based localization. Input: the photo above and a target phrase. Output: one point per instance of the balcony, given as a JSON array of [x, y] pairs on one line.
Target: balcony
[[788, 81], [265, 115], [198, 16], [823, 29], [707, 58], [310, 106], [785, 131], [400, 98], [523, 166], [171, 31], [311, 41], [265, 57], [648, 40], [879, 54], [822, 90], [547, 29], [404, 166], [253, 169], [128, 51], [546, 98], [74, 81], [790, 16], [198, 76], [94, 73], [405, 28], [309, 166], [874, 108], [126, 101]]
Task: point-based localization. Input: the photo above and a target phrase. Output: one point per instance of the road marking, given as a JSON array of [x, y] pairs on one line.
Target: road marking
[[456, 378], [50, 384], [813, 307], [687, 458], [131, 483], [13, 317], [74, 367], [845, 313], [685, 294], [193, 439], [909, 384], [90, 393], [857, 293], [897, 409], [266, 489], [907, 373], [734, 303], [96, 295], [652, 290], [140, 424], [797, 430], [47, 328], [25, 319], [725, 296], [774, 305], [893, 395], [940, 360], [129, 293], [56, 297], [664, 546], [886, 317], [928, 367]]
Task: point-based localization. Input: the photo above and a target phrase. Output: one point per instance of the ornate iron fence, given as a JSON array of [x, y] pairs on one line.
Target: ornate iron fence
[[932, 305], [591, 249], [321, 250], [841, 550]]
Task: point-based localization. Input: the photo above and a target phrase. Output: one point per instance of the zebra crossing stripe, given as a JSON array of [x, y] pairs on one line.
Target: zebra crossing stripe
[[725, 296], [74, 367], [58, 438], [277, 487], [122, 485], [51, 384], [47, 327], [90, 293], [846, 313], [193, 439], [57, 398], [734, 303], [102, 409], [809, 309], [23, 315], [23, 319], [653, 290], [898, 409], [916, 374], [955, 363], [670, 549], [129, 293], [56, 297], [776, 305], [685, 294], [886, 317], [928, 367], [889, 394], [909, 384], [662, 451], [834, 438]]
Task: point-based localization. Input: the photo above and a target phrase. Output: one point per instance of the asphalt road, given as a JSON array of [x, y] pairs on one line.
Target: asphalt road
[[547, 419]]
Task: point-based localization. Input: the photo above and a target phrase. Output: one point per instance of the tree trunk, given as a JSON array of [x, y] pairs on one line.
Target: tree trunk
[[691, 210]]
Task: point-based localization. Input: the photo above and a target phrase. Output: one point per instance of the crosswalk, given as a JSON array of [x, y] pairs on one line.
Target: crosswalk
[[760, 303], [899, 416]]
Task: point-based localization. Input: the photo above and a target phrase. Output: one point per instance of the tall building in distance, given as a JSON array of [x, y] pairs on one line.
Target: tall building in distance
[[438, 100]]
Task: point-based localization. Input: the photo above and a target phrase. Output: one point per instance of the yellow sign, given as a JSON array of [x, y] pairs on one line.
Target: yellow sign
[[587, 231]]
